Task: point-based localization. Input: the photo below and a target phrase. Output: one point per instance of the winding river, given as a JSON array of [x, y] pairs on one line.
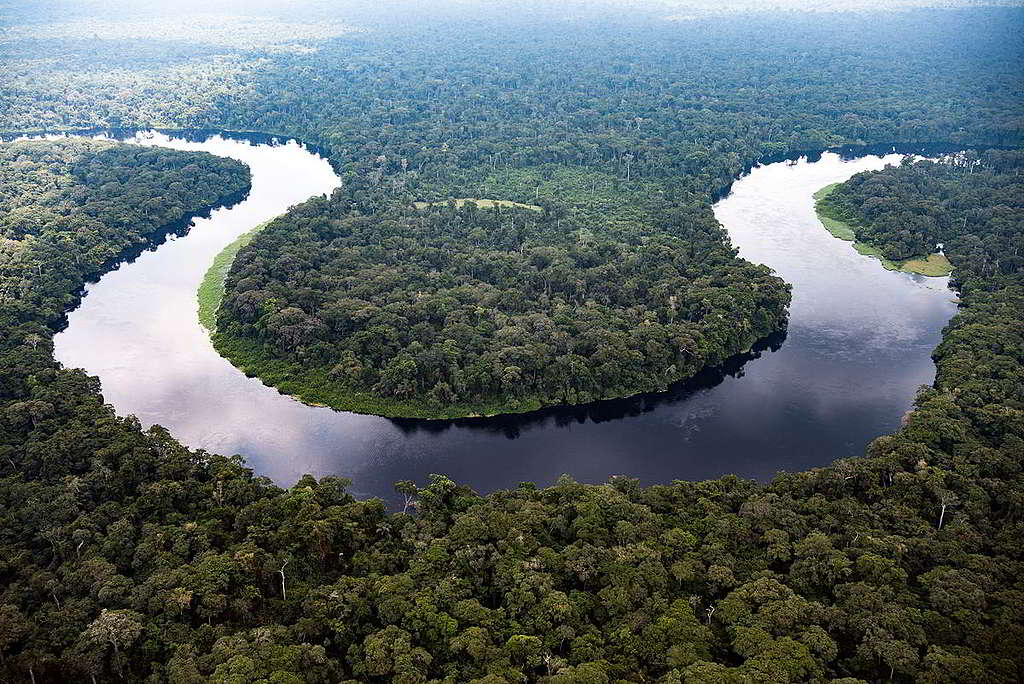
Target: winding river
[[858, 347]]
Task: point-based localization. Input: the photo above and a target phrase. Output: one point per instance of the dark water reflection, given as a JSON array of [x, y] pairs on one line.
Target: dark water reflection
[[858, 347]]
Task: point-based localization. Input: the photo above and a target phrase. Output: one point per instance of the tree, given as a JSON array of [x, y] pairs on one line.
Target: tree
[[116, 629]]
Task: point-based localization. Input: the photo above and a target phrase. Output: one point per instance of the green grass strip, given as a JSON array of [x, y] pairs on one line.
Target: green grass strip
[[838, 229], [211, 290]]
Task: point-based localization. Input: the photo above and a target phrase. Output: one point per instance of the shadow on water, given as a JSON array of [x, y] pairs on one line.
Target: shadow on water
[[513, 425]]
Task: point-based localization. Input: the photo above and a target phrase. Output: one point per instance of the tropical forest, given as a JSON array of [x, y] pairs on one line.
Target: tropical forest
[[443, 342]]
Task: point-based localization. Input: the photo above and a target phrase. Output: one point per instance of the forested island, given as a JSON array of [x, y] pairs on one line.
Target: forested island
[[126, 556]]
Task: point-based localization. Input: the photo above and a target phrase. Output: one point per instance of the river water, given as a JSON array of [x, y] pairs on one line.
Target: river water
[[857, 349]]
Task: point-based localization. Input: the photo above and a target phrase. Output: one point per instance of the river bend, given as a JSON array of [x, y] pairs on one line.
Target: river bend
[[858, 347]]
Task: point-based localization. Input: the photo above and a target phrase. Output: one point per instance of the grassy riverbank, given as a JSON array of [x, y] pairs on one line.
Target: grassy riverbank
[[211, 289], [931, 265]]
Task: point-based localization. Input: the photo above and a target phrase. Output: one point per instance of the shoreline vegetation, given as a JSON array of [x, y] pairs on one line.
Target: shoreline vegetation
[[932, 265], [211, 289], [314, 387]]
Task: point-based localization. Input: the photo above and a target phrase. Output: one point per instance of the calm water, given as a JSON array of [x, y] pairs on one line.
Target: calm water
[[858, 347]]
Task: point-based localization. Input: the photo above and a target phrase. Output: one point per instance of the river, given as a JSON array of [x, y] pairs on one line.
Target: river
[[858, 347]]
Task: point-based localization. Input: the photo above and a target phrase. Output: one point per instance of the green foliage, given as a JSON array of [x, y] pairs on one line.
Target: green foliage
[[452, 311], [125, 556], [969, 203], [70, 208], [845, 227], [211, 289], [835, 226]]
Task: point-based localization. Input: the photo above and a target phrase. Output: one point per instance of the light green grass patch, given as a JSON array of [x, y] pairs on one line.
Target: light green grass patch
[[211, 289], [482, 203], [838, 229], [932, 265]]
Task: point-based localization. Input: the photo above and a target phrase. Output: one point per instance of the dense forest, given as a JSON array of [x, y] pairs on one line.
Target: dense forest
[[125, 556], [69, 208], [445, 311], [434, 104], [624, 148]]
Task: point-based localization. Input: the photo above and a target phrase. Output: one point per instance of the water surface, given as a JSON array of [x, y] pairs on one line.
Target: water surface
[[857, 348]]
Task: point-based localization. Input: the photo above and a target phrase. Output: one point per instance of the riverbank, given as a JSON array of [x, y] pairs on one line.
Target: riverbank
[[315, 387], [933, 265], [211, 289]]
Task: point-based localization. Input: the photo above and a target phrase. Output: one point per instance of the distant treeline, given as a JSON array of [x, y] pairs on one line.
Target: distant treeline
[[435, 107]]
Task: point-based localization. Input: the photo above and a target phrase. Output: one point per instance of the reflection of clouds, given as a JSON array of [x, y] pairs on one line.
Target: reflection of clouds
[[857, 348], [137, 328], [846, 306], [816, 389]]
